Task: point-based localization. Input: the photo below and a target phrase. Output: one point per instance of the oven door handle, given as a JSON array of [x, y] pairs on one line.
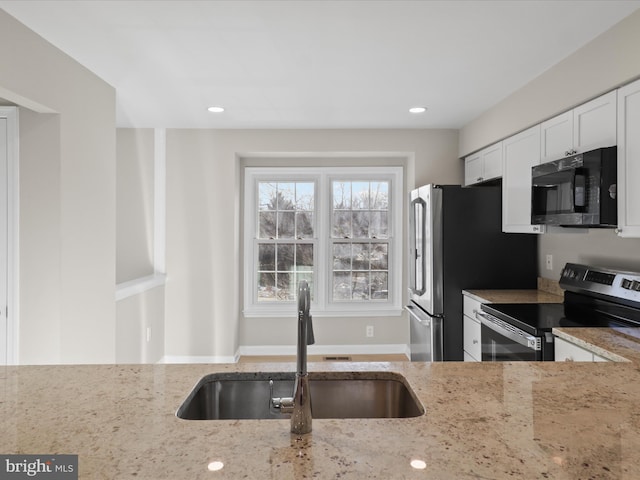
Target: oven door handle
[[509, 331]]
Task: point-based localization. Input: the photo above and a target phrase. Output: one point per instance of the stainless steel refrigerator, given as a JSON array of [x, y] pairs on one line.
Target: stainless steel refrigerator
[[457, 243]]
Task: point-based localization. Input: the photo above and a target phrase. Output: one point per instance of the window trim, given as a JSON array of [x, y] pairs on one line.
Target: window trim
[[322, 177]]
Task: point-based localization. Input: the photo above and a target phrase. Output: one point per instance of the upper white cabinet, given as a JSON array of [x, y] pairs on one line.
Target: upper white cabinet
[[629, 160], [556, 137], [591, 125], [594, 123], [520, 153], [483, 165]]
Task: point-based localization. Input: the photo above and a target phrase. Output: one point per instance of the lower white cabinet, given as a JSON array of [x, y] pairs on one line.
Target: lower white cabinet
[[570, 352], [471, 330]]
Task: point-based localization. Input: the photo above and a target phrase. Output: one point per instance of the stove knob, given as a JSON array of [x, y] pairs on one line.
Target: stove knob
[[626, 283], [635, 286]]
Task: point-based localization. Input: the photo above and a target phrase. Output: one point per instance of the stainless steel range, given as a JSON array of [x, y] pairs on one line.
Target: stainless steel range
[[594, 297]]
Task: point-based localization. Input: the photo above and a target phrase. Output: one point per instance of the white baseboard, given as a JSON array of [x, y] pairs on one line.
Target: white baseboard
[[273, 350], [381, 349], [199, 359]]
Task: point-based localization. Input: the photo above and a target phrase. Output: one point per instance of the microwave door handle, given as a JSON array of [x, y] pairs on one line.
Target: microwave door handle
[[580, 190]]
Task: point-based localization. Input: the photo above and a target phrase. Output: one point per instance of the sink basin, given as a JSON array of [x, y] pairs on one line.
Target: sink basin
[[233, 396]]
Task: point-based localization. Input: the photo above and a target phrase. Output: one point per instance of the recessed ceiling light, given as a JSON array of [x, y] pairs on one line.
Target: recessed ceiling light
[[419, 464], [418, 109], [216, 109], [215, 466]]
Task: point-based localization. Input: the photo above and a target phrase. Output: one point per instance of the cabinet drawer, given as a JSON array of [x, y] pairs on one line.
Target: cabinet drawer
[[469, 358], [471, 337], [470, 306], [569, 352]]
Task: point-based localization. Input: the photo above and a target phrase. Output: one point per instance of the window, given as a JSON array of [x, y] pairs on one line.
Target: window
[[337, 228], [285, 238], [359, 240]]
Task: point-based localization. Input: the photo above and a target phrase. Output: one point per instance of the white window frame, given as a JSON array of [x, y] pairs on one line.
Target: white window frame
[[322, 305]]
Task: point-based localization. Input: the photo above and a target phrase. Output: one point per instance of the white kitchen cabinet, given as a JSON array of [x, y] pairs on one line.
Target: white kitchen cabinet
[[483, 165], [556, 137], [570, 352], [586, 127], [471, 330], [520, 153], [629, 160]]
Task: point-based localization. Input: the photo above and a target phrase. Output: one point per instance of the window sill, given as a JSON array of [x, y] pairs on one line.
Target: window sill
[[362, 313], [139, 285]]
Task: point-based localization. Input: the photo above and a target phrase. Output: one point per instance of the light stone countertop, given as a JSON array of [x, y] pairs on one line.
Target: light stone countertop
[[483, 421], [513, 296], [615, 345]]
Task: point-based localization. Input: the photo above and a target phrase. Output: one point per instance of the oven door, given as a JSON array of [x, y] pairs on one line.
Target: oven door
[[502, 342]]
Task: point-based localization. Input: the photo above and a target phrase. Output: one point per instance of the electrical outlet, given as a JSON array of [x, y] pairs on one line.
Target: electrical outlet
[[369, 330], [549, 262]]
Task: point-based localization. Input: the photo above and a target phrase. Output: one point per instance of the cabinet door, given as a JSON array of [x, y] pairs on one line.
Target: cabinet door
[[594, 123], [492, 159], [569, 352], [471, 338], [556, 137], [629, 160], [483, 165], [473, 169], [521, 152]]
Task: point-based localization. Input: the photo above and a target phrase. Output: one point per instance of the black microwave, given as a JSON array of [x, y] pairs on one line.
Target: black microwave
[[576, 191]]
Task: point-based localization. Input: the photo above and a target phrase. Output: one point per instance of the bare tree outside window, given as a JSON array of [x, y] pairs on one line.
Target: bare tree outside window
[[360, 232], [285, 238], [337, 227]]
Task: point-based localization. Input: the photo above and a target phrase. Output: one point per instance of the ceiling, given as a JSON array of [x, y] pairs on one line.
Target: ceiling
[[315, 64]]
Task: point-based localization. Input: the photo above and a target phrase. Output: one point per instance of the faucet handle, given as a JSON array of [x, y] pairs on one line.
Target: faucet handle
[[279, 404], [311, 339], [304, 298]]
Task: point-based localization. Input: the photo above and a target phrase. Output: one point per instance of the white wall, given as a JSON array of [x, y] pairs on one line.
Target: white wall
[[605, 63], [140, 289], [69, 225], [203, 296], [134, 203], [608, 61], [40, 249], [598, 247], [140, 327]]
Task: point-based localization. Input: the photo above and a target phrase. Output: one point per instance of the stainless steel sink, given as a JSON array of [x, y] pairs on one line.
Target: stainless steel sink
[[232, 396]]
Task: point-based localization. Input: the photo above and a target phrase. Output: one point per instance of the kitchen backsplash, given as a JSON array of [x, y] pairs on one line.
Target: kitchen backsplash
[[550, 286]]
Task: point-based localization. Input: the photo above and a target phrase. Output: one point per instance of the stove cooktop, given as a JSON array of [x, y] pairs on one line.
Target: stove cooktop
[[593, 297], [537, 318]]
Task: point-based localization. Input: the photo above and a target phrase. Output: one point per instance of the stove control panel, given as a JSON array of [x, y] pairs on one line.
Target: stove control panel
[[603, 281], [630, 284]]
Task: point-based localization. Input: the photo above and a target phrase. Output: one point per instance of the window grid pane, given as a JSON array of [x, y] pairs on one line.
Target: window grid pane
[[281, 266], [357, 227], [285, 235], [360, 209], [286, 210], [360, 266], [360, 271]]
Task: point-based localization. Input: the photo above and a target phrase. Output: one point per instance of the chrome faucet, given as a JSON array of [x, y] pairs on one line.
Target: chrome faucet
[[299, 406], [301, 415]]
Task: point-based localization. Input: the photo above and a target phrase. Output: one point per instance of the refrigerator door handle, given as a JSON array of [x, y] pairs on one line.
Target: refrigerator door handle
[[418, 247], [420, 316], [434, 325]]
